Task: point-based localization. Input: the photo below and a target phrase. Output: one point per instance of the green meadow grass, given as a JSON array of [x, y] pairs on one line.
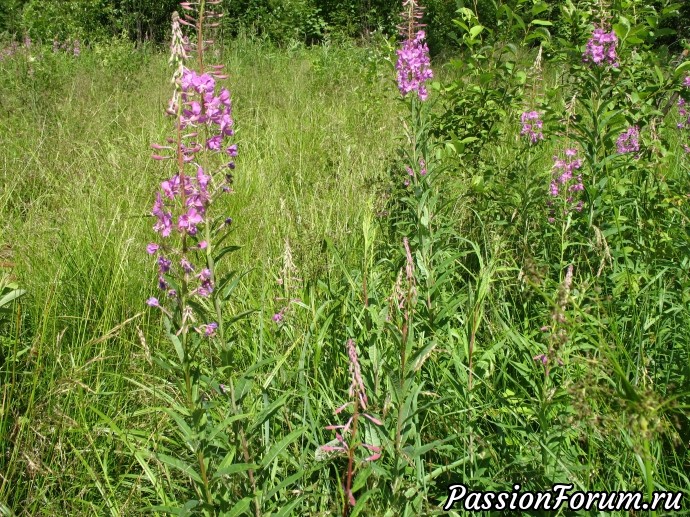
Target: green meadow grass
[[77, 186]]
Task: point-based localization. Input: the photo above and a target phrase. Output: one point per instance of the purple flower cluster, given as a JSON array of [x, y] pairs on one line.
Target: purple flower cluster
[[532, 126], [204, 122], [629, 141], [411, 173], [204, 107], [208, 330], [9, 51], [565, 183], [68, 46], [279, 316], [686, 82], [601, 48], [413, 66], [193, 191]]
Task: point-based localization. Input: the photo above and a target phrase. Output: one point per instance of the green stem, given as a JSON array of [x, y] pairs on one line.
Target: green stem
[[351, 456], [649, 473], [212, 268]]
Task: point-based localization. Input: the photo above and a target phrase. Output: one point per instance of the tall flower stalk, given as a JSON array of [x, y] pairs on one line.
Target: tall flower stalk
[[414, 71], [202, 156], [414, 305], [531, 120], [347, 434]]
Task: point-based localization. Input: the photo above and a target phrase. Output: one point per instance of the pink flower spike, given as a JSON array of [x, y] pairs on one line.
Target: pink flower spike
[[159, 157], [414, 66], [152, 248]]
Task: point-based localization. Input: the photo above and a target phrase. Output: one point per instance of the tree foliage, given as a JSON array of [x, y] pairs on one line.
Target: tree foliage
[[313, 21]]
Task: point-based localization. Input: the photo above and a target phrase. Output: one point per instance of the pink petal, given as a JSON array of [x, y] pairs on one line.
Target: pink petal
[[329, 448], [375, 420], [340, 409]]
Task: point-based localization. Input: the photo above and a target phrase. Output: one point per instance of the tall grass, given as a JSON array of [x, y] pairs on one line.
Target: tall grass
[[77, 182]]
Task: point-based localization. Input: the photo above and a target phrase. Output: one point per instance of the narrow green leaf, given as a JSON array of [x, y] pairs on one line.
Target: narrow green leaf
[[281, 445], [268, 411], [419, 357], [225, 251], [178, 346], [179, 465], [187, 434], [233, 469], [11, 296], [287, 509], [239, 509]]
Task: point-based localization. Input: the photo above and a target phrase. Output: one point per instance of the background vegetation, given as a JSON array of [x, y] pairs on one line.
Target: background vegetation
[[309, 21]]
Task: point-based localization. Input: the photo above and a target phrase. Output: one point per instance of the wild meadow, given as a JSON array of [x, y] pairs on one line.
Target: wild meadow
[[241, 277]]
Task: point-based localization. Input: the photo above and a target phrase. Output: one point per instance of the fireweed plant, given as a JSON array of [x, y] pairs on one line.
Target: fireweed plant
[[347, 435], [187, 252], [566, 183], [413, 71], [578, 331], [421, 300], [608, 122], [531, 120]]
